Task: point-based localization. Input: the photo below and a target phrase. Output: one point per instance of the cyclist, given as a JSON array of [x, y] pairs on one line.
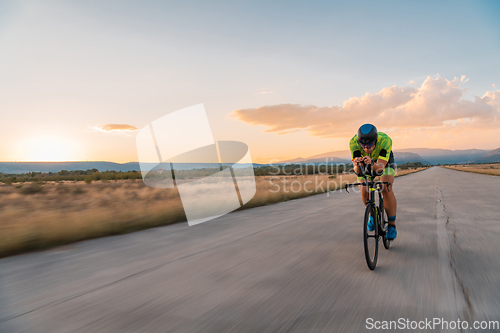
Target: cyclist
[[369, 146]]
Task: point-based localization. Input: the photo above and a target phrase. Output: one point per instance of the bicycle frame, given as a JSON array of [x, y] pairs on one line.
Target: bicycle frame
[[373, 186], [377, 212]]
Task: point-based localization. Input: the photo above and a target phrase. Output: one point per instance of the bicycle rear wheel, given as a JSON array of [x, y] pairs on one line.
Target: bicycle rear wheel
[[387, 243], [370, 238]]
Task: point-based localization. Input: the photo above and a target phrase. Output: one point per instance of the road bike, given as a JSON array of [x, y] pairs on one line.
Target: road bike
[[377, 212]]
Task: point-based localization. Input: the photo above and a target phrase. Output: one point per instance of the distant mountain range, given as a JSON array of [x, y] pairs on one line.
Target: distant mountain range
[[314, 159], [25, 167], [423, 155], [491, 157], [407, 157], [446, 156]]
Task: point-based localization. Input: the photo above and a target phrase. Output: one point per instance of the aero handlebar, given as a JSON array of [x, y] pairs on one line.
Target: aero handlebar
[[365, 184], [370, 183]]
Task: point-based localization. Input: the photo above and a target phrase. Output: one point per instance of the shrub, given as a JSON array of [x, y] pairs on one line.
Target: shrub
[[32, 189], [62, 188], [78, 190], [88, 179]]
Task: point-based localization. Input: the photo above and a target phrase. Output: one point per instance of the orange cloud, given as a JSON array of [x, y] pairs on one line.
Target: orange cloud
[[266, 92], [437, 104], [116, 128]]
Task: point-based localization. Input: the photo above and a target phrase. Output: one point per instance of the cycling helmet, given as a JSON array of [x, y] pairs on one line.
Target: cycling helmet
[[367, 135]]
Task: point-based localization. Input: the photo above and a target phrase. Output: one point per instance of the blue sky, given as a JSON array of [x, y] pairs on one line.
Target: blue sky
[[68, 66]]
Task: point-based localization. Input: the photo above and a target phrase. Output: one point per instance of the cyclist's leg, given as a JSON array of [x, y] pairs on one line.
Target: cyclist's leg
[[364, 198], [390, 202], [363, 190]]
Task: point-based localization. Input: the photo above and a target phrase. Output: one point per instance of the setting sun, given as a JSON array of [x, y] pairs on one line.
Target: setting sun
[[49, 149]]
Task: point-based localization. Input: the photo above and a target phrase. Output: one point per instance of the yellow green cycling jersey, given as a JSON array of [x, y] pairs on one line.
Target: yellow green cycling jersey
[[382, 150]]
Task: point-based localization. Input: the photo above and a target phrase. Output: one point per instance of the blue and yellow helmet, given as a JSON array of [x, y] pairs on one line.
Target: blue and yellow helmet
[[367, 135]]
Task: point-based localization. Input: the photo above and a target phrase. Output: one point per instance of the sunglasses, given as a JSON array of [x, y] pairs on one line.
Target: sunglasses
[[368, 144]]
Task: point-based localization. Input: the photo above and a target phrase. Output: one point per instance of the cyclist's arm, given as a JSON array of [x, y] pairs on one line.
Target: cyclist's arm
[[356, 159], [356, 163], [379, 166], [384, 156]]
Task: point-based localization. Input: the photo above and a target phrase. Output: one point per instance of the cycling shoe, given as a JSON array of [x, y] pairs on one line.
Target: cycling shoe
[[391, 232], [371, 224]]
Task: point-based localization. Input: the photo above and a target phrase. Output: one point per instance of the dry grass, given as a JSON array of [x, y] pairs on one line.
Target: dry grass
[[294, 187], [38, 216], [487, 169]]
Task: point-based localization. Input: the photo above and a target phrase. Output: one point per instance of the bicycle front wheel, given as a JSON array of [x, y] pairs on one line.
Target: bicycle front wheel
[[370, 237]]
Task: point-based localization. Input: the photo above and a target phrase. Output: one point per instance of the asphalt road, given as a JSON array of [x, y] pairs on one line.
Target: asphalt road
[[296, 266]]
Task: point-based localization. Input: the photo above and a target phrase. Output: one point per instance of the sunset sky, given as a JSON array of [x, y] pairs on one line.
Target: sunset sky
[[79, 78]]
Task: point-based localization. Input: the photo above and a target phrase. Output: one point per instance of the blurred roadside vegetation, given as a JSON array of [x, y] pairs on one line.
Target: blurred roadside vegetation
[[42, 210], [483, 168], [64, 175], [90, 175]]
